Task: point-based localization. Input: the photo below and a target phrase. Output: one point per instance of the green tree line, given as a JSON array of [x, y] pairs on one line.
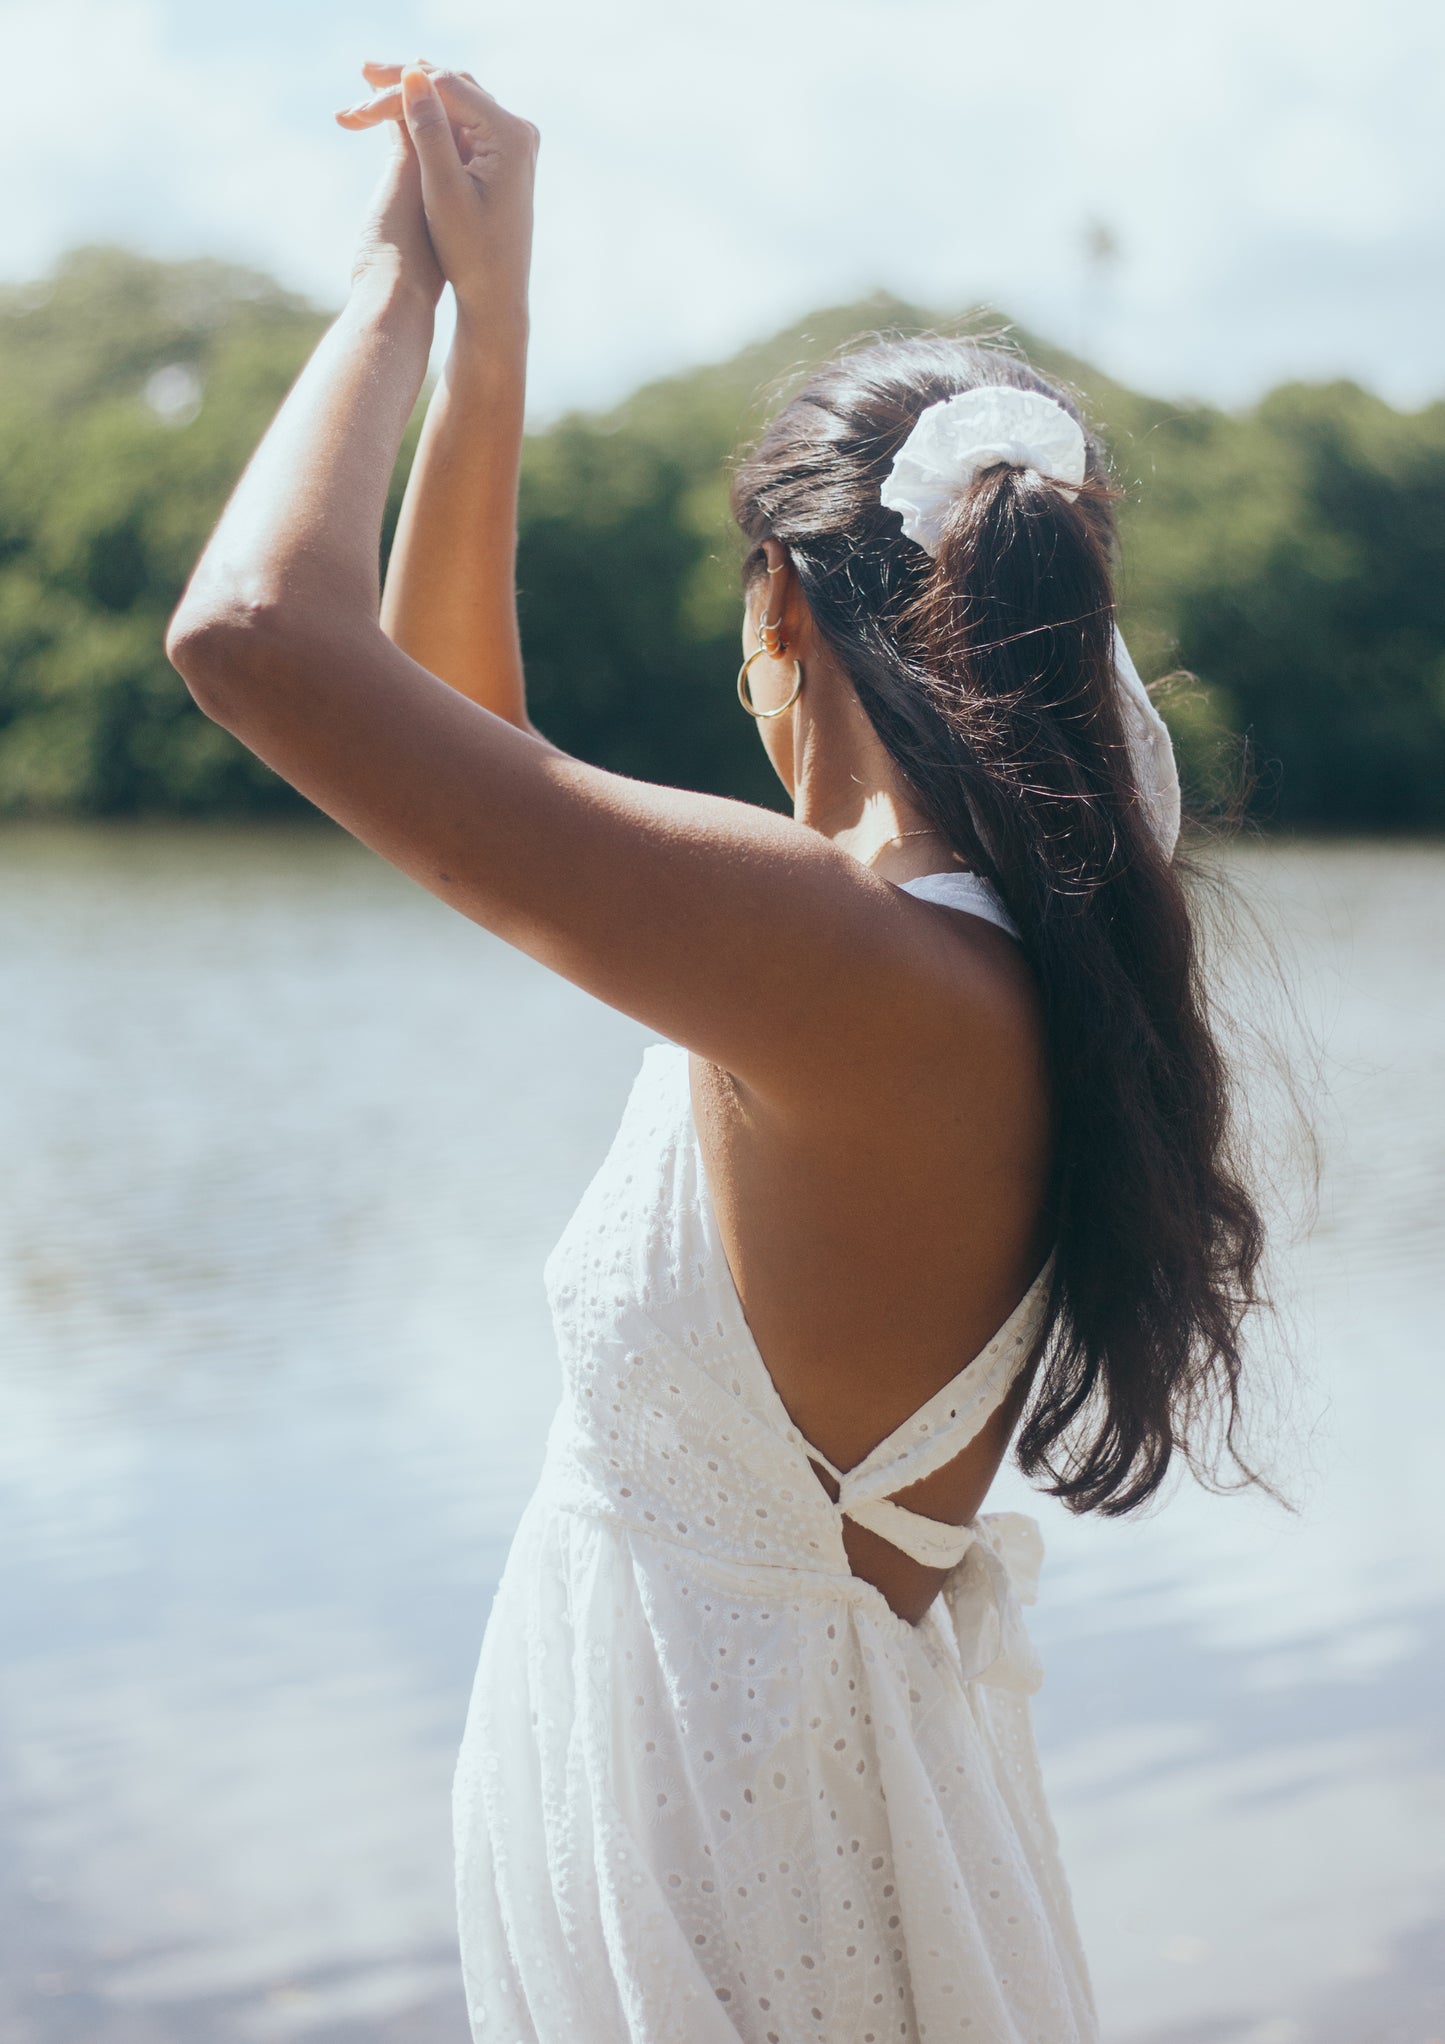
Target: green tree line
[[1289, 557]]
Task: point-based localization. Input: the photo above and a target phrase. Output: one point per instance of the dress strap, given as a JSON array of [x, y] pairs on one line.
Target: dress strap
[[945, 1423], [934, 1542], [967, 891], [940, 1429]]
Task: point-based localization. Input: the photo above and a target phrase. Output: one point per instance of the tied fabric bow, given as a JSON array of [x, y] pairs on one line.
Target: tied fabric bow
[[999, 426], [998, 1573]]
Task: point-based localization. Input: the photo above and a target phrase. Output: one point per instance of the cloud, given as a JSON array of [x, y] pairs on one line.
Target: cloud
[[707, 174]]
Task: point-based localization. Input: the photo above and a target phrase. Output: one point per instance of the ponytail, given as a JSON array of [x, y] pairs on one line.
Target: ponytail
[[988, 673]]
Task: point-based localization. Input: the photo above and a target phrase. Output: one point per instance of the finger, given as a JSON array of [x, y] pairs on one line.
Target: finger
[[382, 106], [390, 74], [382, 77], [401, 141], [422, 105], [431, 133], [378, 73], [463, 98]]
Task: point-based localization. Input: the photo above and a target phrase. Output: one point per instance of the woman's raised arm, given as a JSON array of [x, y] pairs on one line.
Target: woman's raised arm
[[450, 595], [748, 937]]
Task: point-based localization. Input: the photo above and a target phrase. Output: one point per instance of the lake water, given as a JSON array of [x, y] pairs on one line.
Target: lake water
[[285, 1144]]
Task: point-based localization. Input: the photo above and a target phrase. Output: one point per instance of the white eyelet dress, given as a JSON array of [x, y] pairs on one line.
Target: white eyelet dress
[[711, 1788]]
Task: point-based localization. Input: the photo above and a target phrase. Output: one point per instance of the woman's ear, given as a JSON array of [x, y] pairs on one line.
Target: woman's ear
[[780, 597]]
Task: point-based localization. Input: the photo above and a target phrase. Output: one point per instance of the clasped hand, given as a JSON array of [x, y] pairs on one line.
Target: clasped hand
[[454, 204]]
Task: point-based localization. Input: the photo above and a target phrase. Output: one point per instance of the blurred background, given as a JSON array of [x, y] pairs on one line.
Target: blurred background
[[285, 1144]]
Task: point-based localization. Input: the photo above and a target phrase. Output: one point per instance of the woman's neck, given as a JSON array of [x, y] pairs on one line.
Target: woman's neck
[[848, 788], [907, 853]]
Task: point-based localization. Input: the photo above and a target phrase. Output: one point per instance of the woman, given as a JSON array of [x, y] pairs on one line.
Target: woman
[[937, 1128]]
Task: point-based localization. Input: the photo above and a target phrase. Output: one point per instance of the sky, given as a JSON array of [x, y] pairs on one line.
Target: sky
[[1271, 171]]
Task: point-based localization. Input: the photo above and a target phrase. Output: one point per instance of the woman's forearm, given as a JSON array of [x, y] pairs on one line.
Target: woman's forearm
[[450, 599], [301, 533]]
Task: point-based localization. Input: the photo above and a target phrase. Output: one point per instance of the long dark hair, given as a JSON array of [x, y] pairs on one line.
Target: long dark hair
[[988, 673]]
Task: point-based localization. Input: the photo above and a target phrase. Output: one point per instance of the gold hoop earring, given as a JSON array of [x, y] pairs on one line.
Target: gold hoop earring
[[746, 700]]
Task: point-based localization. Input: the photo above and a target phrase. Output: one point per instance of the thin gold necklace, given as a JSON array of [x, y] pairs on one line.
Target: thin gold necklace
[[930, 831]]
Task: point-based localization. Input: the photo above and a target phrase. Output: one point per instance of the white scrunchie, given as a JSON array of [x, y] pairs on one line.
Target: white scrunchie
[[1000, 426], [995, 426]]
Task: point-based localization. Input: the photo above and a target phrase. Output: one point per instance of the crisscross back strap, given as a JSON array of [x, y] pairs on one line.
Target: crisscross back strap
[[939, 1430], [931, 1541]]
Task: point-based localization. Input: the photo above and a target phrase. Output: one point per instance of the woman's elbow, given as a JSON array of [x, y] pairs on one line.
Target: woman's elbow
[[216, 647]]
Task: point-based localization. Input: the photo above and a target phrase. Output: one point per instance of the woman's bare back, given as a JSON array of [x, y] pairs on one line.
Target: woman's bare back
[[878, 1243]]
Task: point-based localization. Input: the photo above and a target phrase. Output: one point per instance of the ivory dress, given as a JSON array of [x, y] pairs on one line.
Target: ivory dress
[[711, 1788]]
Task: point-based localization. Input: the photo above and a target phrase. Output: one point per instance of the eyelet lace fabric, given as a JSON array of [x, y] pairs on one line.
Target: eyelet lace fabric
[[711, 1788]]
